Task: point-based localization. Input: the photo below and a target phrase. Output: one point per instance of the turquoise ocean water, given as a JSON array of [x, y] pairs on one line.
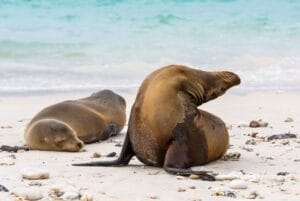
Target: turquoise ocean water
[[66, 45]]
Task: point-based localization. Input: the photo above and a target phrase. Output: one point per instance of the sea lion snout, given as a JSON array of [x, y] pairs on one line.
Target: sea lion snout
[[229, 79]]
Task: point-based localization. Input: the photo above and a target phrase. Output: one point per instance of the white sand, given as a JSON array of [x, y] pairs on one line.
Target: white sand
[[137, 182]]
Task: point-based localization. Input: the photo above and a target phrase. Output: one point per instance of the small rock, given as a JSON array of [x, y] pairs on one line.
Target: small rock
[[282, 173], [252, 195], [71, 195], [230, 176], [34, 173], [223, 192], [238, 184], [64, 191], [289, 120], [96, 155], [250, 142], [235, 156], [281, 136], [8, 160], [181, 190], [259, 123], [29, 194], [194, 176], [112, 154], [180, 177], [3, 189], [192, 187], [254, 134]]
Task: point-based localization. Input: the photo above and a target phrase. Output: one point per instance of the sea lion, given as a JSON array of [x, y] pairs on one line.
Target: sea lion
[[165, 127], [66, 126]]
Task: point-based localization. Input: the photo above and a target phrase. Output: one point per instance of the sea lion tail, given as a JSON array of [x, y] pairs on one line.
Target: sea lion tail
[[125, 156]]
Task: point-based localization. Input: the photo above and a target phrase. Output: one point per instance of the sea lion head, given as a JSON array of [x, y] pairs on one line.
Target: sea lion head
[[204, 86], [54, 135], [109, 98]]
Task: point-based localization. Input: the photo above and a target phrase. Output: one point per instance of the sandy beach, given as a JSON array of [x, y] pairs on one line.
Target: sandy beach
[[269, 170]]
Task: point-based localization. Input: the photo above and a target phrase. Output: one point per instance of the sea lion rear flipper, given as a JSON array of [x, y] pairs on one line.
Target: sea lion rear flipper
[[124, 158], [177, 159]]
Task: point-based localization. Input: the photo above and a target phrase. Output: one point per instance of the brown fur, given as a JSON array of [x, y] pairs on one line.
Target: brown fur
[[165, 127], [67, 125]]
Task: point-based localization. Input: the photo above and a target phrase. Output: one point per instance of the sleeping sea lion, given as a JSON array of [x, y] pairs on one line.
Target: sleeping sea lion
[[66, 126], [165, 127]]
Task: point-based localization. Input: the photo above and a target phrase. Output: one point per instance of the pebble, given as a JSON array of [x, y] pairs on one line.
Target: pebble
[[259, 123], [238, 184], [223, 192], [289, 120], [181, 190], [230, 176], [34, 173], [282, 173], [29, 194], [252, 195], [8, 160], [96, 155], [71, 195], [252, 178], [3, 189], [235, 156], [250, 142], [180, 177], [194, 176], [112, 154]]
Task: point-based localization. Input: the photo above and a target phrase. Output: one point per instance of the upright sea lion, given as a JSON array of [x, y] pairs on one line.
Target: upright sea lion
[[165, 127], [67, 125]]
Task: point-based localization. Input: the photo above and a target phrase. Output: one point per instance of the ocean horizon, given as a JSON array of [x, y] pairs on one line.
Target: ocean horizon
[[69, 45]]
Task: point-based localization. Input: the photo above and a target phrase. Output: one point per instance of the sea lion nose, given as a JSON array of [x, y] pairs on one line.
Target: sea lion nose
[[80, 145]]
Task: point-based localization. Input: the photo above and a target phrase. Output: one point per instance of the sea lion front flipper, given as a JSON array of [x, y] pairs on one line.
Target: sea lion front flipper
[[126, 154], [178, 160], [111, 129]]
